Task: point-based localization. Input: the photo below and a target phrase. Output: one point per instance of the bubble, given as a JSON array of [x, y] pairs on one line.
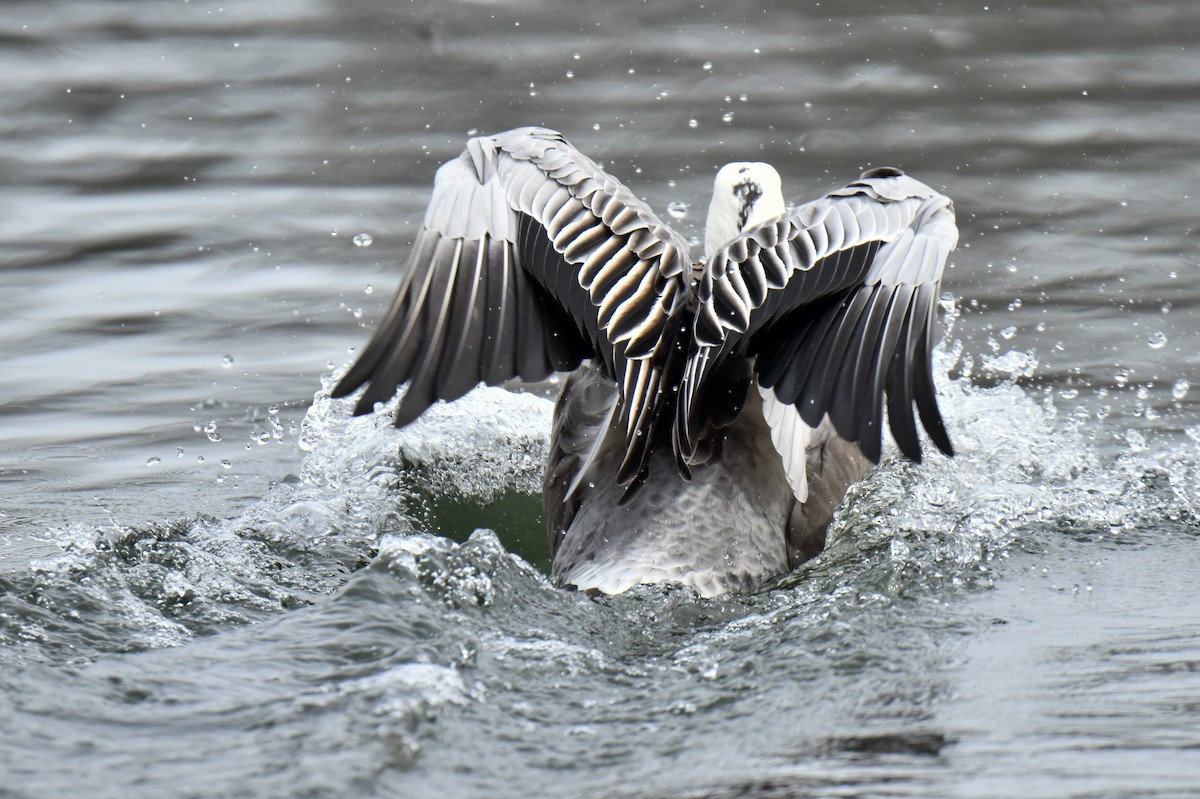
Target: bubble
[[363, 240], [1157, 340], [677, 209], [1180, 389]]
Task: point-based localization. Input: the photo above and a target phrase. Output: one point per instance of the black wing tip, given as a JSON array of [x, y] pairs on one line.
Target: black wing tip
[[345, 387], [871, 446], [942, 441], [365, 405]]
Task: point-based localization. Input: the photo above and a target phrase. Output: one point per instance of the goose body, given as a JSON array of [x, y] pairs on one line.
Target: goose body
[[717, 411]]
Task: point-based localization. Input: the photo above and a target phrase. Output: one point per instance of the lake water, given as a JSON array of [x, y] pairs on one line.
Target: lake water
[[214, 584]]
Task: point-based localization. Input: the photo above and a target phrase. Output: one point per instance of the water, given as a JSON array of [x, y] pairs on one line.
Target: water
[[214, 584]]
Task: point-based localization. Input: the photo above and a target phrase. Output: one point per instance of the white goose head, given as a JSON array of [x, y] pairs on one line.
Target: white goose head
[[745, 194]]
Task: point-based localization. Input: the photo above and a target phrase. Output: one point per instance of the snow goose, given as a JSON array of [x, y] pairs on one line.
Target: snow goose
[[716, 411]]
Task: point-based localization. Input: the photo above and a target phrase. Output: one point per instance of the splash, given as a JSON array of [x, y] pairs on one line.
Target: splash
[[1023, 470]]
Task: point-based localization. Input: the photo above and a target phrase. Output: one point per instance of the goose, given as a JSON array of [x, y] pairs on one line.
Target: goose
[[716, 410]]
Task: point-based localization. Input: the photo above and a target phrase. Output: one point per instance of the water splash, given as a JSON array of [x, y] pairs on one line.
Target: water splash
[[363, 489]]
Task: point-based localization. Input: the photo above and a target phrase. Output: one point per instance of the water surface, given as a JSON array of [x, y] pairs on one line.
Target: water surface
[[214, 583]]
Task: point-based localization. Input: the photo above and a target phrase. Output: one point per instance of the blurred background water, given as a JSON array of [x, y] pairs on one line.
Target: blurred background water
[[214, 584]]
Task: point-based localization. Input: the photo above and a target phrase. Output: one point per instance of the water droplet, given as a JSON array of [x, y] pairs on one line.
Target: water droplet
[[692, 123], [154, 461], [226, 465], [1180, 389], [210, 430], [1157, 340], [368, 289], [570, 74], [677, 209], [1008, 332], [707, 67], [727, 117], [226, 361], [1135, 440], [363, 240]]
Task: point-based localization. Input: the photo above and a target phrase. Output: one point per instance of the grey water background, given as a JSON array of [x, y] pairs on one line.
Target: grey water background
[[213, 583]]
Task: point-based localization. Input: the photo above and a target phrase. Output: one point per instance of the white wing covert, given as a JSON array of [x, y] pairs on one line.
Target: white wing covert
[[834, 301], [530, 260]]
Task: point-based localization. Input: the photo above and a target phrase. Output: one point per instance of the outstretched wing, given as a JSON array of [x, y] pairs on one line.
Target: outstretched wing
[[835, 303], [530, 260]]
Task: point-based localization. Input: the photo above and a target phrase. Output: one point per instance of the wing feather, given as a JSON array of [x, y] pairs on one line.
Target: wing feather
[[848, 326], [531, 259]]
